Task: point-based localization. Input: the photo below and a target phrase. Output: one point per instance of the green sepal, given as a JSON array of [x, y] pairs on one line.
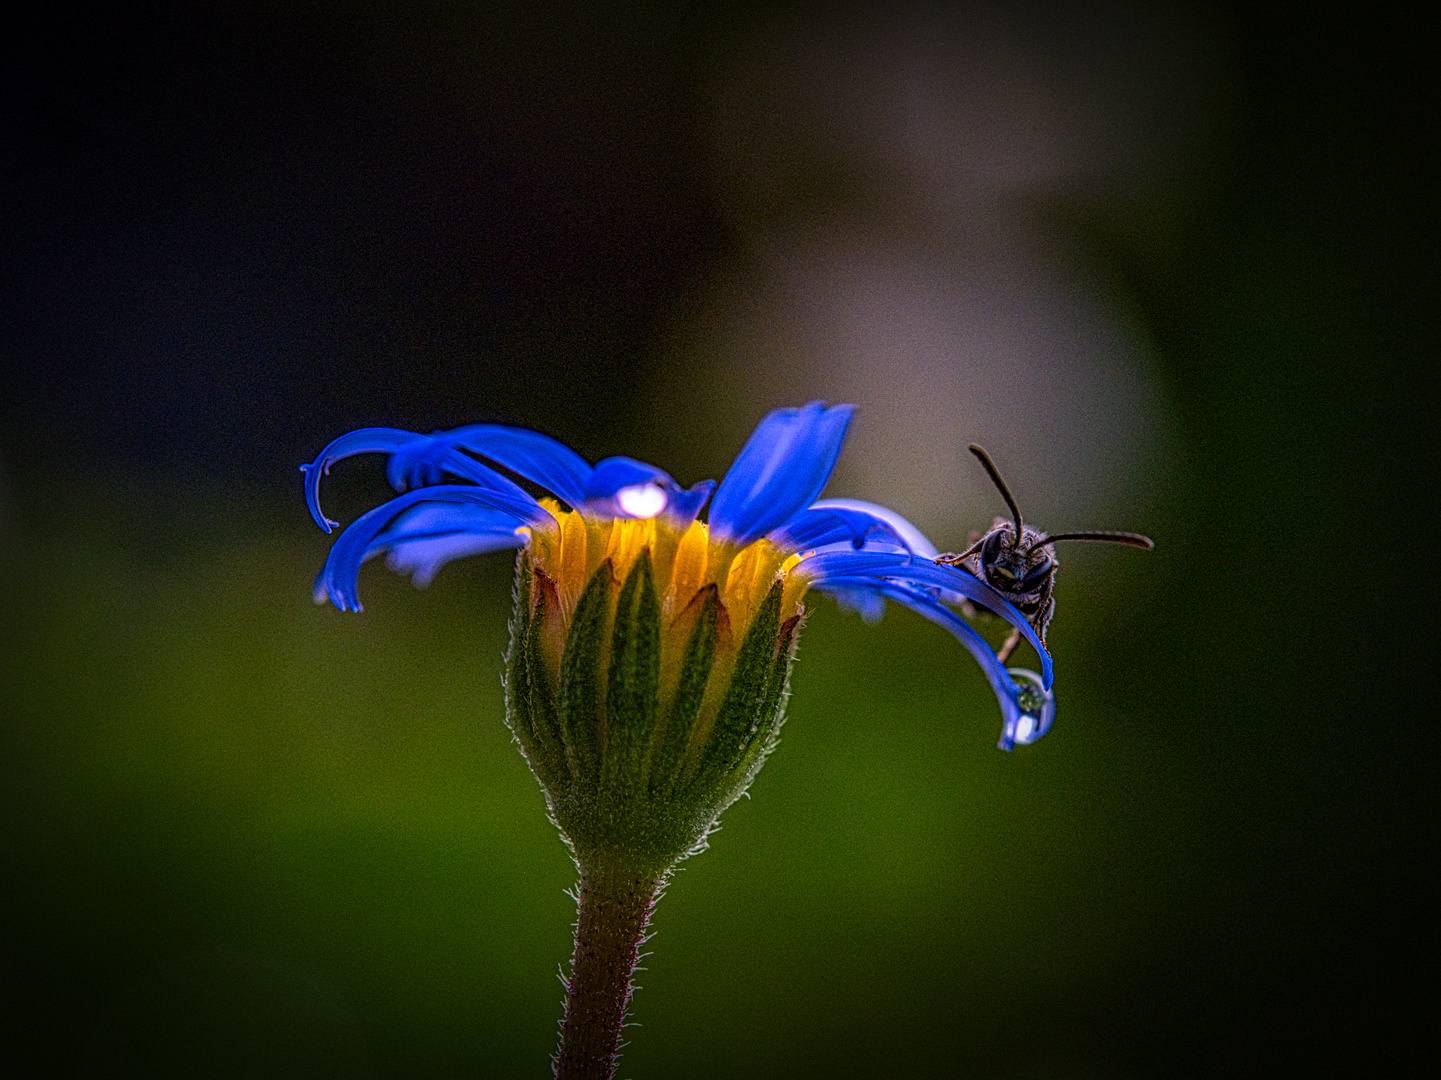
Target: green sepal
[[527, 691], [772, 708], [545, 710], [580, 676], [740, 716], [690, 693], [633, 685]]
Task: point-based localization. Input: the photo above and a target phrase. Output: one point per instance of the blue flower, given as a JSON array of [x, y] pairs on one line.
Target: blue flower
[[765, 528]]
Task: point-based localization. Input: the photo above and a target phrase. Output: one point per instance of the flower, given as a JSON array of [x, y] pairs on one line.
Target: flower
[[650, 651]]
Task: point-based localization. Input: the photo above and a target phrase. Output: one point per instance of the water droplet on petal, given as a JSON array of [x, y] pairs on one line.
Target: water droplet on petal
[[1037, 705], [641, 500]]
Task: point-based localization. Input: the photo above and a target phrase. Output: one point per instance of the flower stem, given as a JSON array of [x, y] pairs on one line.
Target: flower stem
[[614, 909]]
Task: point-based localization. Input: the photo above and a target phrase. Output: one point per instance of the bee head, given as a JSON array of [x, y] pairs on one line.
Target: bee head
[[1016, 564], [1019, 562]]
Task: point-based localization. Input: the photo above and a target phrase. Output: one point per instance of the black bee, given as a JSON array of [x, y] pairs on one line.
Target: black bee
[[1019, 563]]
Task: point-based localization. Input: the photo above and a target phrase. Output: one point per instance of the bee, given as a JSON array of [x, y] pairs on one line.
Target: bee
[[1019, 562]]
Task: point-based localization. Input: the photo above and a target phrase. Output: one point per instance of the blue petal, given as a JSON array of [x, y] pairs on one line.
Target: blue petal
[[427, 458], [866, 601], [423, 559], [425, 467], [365, 441], [529, 454], [686, 503], [912, 536], [339, 580], [426, 537], [780, 471], [886, 568], [996, 674], [820, 527], [614, 473]]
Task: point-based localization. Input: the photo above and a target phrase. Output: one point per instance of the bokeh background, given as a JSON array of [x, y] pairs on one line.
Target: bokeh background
[[1170, 263]]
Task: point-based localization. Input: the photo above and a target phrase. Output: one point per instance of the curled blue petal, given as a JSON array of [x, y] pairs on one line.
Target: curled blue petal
[[339, 580], [1002, 685], [780, 471], [529, 454], [911, 536], [374, 440], [887, 568], [422, 462], [411, 468]]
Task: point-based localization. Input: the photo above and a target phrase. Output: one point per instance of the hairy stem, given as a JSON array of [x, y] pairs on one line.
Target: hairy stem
[[614, 909]]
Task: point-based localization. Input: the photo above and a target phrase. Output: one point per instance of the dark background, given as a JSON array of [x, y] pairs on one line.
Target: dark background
[[243, 836]]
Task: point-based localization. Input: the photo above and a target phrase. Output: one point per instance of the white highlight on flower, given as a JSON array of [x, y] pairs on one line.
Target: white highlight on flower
[[1025, 728], [641, 500]]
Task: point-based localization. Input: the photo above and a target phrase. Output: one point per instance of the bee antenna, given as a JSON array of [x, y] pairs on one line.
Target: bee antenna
[[995, 475], [1133, 539]]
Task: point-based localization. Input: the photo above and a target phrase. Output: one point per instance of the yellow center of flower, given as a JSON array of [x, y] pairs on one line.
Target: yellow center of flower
[[682, 562], [687, 569]]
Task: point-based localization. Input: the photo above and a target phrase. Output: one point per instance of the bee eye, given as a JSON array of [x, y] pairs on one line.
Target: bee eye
[[1036, 577], [991, 549]]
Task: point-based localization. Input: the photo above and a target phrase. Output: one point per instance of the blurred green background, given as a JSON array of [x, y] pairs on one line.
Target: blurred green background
[[241, 835]]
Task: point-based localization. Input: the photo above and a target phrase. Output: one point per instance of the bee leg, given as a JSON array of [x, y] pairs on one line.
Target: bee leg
[[1042, 619], [957, 558], [1004, 652]]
